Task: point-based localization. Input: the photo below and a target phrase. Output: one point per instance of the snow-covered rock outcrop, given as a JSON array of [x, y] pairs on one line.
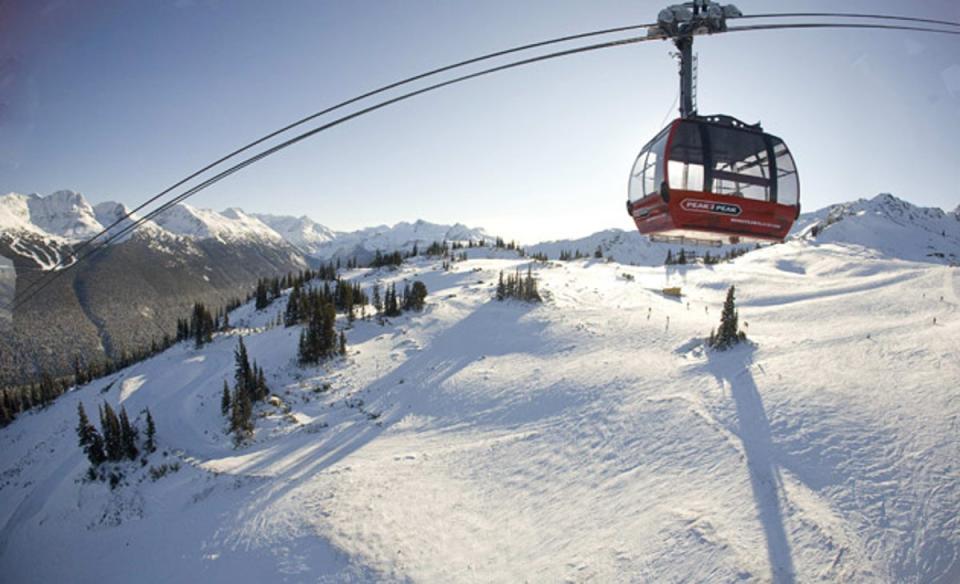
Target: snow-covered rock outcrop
[[892, 226]]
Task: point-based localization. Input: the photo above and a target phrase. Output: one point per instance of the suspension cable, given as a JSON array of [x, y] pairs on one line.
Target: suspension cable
[[270, 151], [850, 25], [127, 215], [849, 15]]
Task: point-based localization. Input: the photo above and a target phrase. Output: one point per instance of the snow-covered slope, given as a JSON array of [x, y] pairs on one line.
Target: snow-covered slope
[[590, 438], [303, 232], [891, 226], [15, 215], [231, 225], [403, 237], [64, 213], [626, 247], [67, 216]]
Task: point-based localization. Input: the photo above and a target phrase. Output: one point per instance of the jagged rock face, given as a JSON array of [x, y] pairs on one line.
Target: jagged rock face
[[64, 213]]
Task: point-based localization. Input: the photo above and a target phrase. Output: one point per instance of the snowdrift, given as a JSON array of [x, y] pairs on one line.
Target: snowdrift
[[590, 437]]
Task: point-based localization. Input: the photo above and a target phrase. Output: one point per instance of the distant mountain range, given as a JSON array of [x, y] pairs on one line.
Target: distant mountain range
[[66, 217], [137, 288], [885, 224]]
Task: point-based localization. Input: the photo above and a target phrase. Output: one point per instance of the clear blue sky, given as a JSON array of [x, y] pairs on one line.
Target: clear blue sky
[[119, 99]]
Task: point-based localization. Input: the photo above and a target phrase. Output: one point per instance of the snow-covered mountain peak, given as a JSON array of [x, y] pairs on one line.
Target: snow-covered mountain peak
[[626, 247], [403, 236], [65, 214], [15, 214], [303, 232], [231, 225], [888, 224], [108, 213]]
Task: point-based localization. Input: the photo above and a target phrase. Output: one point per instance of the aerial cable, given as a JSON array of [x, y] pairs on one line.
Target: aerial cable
[[300, 137], [849, 15], [127, 215], [851, 25], [239, 166]]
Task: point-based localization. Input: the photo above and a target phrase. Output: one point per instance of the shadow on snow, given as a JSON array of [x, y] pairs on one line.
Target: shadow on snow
[[734, 368]]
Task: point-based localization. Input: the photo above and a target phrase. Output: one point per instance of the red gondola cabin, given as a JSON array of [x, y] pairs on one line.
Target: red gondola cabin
[[716, 179]]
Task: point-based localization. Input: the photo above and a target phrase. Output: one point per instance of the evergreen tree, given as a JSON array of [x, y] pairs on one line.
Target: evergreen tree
[[241, 419], [343, 344], [418, 296], [78, 375], [128, 435], [530, 292], [391, 303], [242, 371], [292, 313], [112, 434], [201, 325], [328, 345], [377, 301], [262, 390], [519, 287], [729, 333], [89, 439], [260, 295], [225, 399], [151, 443]]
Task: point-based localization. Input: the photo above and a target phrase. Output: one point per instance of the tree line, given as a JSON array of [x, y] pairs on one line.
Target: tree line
[[250, 386], [518, 286], [198, 326], [117, 439]]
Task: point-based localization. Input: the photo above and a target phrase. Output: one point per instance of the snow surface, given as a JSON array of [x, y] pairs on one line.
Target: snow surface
[[402, 236], [231, 225], [587, 438], [64, 213], [64, 217], [626, 247], [109, 213], [67, 217], [303, 232], [888, 225]]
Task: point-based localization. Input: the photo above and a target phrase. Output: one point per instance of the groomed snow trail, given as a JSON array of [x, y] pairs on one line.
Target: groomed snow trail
[[590, 438]]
